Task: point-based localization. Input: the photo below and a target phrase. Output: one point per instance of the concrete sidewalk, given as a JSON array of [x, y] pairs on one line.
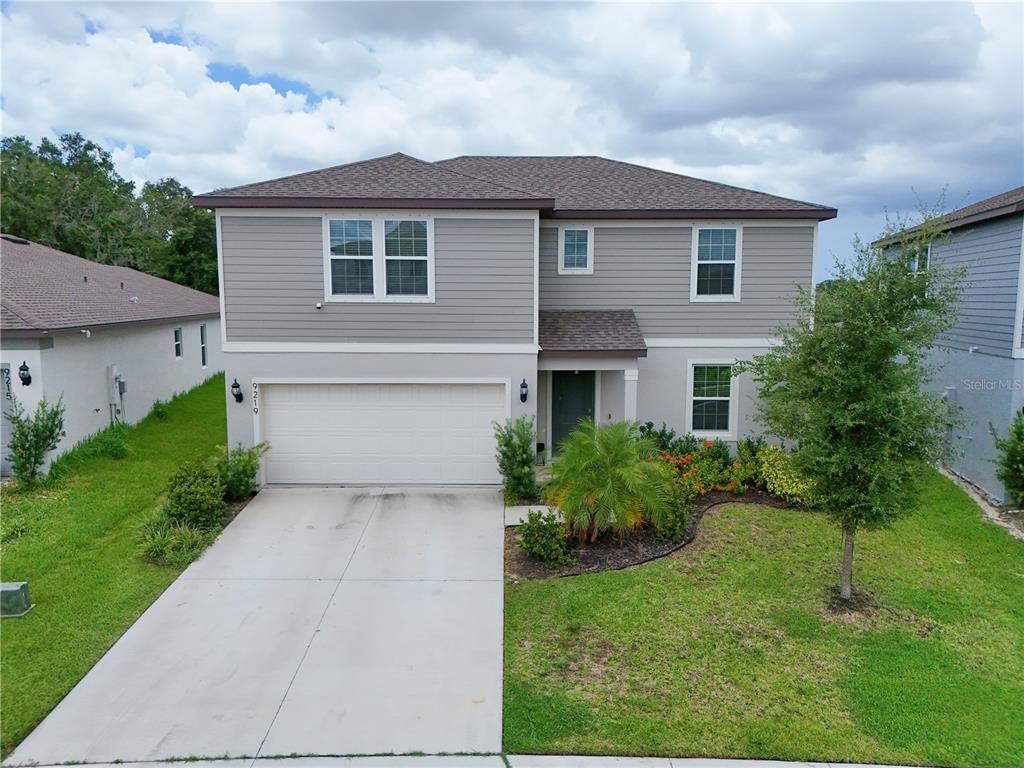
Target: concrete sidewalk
[[484, 761]]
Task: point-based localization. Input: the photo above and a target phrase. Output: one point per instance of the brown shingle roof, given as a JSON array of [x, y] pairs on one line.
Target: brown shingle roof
[[393, 179], [558, 186], [591, 333], [1003, 204], [591, 186], [43, 290]]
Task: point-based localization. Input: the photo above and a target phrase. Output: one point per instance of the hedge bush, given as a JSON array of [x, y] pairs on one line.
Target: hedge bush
[[32, 437], [195, 496], [780, 479], [517, 455], [544, 536], [1010, 462], [238, 469]]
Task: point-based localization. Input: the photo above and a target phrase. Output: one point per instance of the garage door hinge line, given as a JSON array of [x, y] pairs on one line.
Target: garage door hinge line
[[320, 621]]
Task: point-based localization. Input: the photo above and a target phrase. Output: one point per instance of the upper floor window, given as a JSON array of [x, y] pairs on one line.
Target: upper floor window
[[379, 259], [715, 275], [576, 251], [178, 345], [405, 257], [351, 257], [920, 259]]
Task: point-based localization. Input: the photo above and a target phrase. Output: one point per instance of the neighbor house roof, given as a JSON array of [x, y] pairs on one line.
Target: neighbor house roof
[[560, 187], [45, 291], [1003, 204], [591, 333]]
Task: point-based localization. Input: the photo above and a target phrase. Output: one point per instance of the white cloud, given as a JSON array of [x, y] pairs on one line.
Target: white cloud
[[847, 104]]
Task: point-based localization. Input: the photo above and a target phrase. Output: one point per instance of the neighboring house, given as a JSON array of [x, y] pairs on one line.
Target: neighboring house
[[109, 340], [380, 316], [982, 357]]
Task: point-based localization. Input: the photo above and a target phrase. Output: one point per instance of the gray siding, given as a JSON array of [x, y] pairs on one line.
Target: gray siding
[[647, 269], [273, 278], [991, 253]]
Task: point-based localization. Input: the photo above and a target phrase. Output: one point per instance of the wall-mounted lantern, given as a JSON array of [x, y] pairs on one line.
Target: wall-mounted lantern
[[524, 391], [23, 374], [236, 391]]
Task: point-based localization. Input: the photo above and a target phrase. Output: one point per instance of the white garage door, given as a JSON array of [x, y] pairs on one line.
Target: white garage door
[[381, 433]]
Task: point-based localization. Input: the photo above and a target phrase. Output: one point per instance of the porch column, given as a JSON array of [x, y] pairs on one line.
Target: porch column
[[630, 375]]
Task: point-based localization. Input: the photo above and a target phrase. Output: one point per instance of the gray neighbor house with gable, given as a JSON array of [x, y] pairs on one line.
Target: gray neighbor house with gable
[[981, 358], [380, 316]]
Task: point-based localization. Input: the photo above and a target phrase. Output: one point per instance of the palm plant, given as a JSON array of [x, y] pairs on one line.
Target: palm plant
[[609, 478]]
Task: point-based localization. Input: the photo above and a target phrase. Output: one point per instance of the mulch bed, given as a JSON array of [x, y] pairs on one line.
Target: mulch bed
[[611, 553]]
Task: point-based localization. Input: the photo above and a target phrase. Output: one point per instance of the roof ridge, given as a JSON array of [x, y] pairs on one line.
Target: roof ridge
[[300, 174], [532, 195], [709, 181]]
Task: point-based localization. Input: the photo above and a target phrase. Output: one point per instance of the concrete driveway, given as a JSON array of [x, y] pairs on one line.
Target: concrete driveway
[[324, 621]]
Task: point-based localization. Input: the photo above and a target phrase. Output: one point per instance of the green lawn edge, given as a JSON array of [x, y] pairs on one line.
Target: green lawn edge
[[728, 649], [78, 554]]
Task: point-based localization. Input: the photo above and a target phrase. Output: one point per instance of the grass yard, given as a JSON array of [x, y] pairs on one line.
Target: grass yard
[[78, 554], [729, 650]]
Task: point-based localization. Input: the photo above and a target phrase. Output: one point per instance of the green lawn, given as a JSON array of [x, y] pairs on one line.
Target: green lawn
[[728, 649], [77, 553]]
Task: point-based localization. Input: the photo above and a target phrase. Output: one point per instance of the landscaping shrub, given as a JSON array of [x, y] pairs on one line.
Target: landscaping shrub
[[608, 478], [195, 496], [238, 469], [517, 454], [161, 409], [544, 536], [1010, 463], [684, 445], [746, 470], [32, 437], [780, 479], [108, 444], [165, 541], [662, 438]]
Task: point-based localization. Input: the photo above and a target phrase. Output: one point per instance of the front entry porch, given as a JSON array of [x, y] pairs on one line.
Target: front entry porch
[[587, 369]]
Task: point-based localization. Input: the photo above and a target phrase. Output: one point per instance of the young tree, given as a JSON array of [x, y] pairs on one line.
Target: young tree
[[846, 382]]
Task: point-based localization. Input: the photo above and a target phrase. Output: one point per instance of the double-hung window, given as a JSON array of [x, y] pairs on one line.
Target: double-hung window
[[920, 259], [715, 275], [711, 399], [379, 258], [177, 343], [351, 250], [405, 257], [576, 251]]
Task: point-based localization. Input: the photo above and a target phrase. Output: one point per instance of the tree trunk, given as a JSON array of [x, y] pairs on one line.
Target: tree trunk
[[846, 572]]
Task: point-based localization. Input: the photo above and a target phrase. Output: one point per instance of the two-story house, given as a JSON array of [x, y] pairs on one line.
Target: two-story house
[[380, 316], [981, 359]]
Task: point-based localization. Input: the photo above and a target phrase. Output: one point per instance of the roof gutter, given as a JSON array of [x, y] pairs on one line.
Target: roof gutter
[[821, 214], [42, 333], [242, 201]]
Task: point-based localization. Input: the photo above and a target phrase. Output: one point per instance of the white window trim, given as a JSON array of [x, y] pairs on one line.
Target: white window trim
[[204, 337], [589, 269], [728, 434], [179, 343], [379, 295], [695, 239], [915, 265]]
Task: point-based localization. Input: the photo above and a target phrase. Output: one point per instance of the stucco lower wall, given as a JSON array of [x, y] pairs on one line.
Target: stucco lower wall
[[989, 390], [247, 366], [662, 386], [74, 367]]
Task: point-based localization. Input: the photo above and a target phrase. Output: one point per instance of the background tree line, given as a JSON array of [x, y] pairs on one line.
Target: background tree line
[[67, 195]]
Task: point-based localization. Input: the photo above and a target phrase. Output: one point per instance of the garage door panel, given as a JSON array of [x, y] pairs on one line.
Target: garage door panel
[[381, 433]]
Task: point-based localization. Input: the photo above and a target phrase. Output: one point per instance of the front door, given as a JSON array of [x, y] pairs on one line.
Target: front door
[[572, 400]]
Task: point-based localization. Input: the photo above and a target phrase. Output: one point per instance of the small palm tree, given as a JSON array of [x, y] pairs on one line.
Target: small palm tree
[[609, 478]]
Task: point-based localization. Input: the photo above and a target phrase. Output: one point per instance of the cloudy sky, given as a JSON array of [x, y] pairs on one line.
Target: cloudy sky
[[864, 106]]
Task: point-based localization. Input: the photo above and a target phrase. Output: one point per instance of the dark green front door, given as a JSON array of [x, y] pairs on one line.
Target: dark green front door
[[572, 400]]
